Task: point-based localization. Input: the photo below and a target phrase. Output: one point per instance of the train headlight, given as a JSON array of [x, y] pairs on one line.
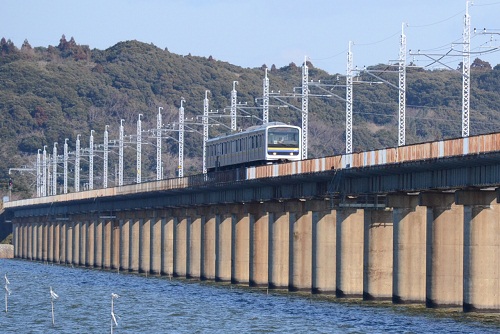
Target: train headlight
[[274, 153], [291, 153]]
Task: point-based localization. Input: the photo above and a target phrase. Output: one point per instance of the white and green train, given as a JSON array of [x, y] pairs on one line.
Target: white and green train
[[258, 145]]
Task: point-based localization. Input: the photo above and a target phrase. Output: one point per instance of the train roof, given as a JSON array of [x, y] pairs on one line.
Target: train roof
[[254, 128]]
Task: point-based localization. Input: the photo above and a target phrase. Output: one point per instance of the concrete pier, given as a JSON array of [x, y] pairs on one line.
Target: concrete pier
[[156, 244], [168, 245], [378, 255], [194, 249], [481, 284], [409, 249], [145, 245], [437, 249], [259, 248], [223, 247], [324, 235], [349, 252], [241, 248], [444, 250], [208, 248], [124, 243], [279, 248], [301, 250]]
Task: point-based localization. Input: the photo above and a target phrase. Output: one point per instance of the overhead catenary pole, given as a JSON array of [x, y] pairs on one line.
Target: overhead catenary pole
[[402, 89], [38, 175], [181, 140], [139, 148], [65, 166], [77, 164], [159, 174], [120, 155], [234, 100], [44, 171], [205, 131], [91, 160], [54, 169], [348, 104], [49, 180], [466, 73], [105, 157], [265, 99], [305, 108]]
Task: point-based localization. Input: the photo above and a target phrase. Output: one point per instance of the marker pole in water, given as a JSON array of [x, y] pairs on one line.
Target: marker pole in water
[[113, 316], [7, 293], [53, 296]]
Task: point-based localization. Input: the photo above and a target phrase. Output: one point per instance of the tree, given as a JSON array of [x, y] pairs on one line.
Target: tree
[[480, 65], [7, 47]]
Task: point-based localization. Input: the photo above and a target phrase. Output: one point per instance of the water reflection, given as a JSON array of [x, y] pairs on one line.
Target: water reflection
[[160, 305]]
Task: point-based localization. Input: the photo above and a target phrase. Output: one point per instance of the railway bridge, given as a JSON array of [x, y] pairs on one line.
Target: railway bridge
[[412, 224]]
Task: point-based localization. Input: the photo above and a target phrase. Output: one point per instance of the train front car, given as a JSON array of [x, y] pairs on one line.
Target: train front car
[[283, 143]]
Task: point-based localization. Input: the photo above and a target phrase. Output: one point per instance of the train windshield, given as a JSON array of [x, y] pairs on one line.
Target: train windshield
[[283, 137]]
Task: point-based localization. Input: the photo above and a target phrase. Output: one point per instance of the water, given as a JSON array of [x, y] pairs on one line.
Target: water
[[159, 305]]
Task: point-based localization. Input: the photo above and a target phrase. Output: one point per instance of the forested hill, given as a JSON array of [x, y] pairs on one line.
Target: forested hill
[[48, 94]]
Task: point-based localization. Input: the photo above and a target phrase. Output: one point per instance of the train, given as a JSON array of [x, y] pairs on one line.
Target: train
[[258, 145]]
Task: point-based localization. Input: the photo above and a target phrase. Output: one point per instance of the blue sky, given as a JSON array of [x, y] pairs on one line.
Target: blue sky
[[255, 32]]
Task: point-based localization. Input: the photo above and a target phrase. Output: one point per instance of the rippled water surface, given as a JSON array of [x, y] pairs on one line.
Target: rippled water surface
[[159, 305]]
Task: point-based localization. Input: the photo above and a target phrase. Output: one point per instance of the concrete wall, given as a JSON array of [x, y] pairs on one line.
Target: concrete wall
[[6, 251], [437, 249]]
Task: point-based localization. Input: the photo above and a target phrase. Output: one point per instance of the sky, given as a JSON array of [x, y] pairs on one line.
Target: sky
[[251, 33]]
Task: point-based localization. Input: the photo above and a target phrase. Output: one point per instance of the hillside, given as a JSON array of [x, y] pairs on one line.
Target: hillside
[[51, 93]]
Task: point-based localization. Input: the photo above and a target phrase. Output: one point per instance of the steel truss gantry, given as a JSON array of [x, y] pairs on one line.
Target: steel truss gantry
[[466, 73], [348, 102]]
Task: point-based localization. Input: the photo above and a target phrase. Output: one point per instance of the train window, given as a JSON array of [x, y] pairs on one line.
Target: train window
[[283, 137]]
